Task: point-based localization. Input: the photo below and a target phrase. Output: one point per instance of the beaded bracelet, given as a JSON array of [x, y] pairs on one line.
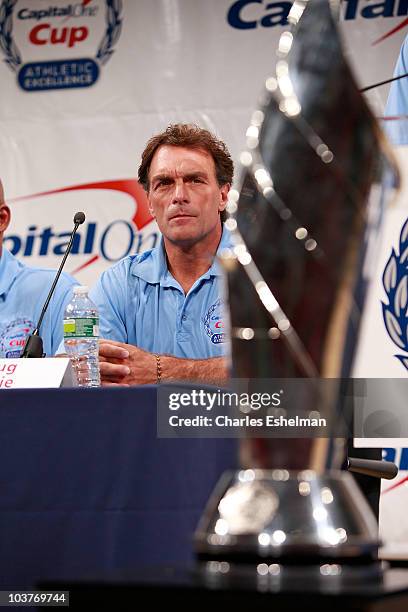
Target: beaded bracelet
[[158, 369]]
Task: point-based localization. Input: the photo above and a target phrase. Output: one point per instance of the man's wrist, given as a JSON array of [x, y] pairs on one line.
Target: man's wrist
[[158, 369], [211, 371]]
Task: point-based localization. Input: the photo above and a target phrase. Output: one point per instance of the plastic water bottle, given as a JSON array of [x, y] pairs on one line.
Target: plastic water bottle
[[81, 335]]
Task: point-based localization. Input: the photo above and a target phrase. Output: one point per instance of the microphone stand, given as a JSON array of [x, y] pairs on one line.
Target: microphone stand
[[396, 78], [34, 346]]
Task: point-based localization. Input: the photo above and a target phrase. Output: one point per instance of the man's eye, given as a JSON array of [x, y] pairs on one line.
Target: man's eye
[[197, 180], [162, 183]]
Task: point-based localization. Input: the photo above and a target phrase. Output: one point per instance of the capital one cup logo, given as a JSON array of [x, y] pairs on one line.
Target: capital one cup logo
[[395, 282], [60, 44]]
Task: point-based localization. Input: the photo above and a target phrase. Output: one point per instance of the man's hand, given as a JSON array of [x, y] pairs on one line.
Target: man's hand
[[124, 364]]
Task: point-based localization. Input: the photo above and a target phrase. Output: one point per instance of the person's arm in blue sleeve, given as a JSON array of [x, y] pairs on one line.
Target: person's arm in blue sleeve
[[109, 295]]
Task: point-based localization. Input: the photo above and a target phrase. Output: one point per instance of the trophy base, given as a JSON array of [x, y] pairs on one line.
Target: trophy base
[[279, 577], [293, 518]]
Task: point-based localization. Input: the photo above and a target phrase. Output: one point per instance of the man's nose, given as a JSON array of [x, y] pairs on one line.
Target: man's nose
[[180, 192]]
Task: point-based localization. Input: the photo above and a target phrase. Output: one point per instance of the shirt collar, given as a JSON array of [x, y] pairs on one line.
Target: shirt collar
[[9, 267], [152, 265]]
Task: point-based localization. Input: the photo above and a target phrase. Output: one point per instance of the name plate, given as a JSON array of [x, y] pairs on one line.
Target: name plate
[[48, 373]]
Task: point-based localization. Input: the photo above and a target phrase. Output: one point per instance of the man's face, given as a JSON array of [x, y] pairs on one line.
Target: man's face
[[184, 195]]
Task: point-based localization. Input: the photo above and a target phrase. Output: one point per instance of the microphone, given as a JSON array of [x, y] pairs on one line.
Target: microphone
[[34, 345]]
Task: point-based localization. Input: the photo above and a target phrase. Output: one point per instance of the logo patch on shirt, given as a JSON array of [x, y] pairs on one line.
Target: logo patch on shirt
[[13, 337], [214, 323]]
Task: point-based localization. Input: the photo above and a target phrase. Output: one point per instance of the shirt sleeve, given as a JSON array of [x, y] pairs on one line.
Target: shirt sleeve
[[397, 104], [110, 294]]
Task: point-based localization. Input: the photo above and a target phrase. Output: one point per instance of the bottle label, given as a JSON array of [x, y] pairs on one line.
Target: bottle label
[[81, 328]]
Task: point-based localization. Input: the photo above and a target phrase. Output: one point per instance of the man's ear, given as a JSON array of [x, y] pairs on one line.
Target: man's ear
[[224, 196], [5, 217]]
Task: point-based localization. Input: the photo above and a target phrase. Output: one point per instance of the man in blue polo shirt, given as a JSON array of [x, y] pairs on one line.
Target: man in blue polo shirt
[[163, 308], [23, 291]]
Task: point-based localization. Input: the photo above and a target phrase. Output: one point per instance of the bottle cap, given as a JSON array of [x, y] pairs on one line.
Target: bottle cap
[[80, 289]]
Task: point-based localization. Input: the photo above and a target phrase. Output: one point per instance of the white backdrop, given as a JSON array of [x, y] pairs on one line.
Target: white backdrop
[[167, 60]]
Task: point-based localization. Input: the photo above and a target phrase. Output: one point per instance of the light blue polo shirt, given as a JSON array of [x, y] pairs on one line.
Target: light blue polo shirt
[[140, 303], [397, 103], [23, 291]]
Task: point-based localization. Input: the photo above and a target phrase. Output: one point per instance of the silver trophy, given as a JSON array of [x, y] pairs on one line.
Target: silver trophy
[[314, 166]]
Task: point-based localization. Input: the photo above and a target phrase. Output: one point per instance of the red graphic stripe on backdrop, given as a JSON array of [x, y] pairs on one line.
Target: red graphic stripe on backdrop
[[396, 485], [391, 32], [86, 264], [393, 118], [132, 187]]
